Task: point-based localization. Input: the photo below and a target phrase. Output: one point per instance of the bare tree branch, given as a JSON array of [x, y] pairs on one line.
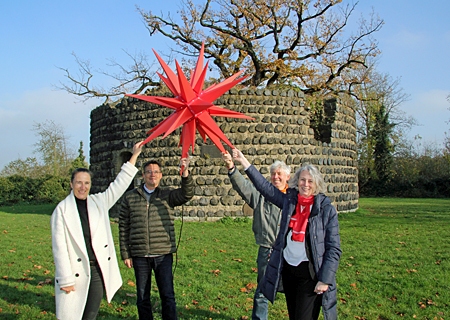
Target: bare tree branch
[[132, 79]]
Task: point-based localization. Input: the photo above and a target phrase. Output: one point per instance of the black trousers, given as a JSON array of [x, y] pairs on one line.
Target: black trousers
[[95, 294], [302, 302]]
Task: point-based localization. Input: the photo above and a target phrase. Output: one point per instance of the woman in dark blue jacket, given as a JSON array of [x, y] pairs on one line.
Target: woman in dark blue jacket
[[306, 254]]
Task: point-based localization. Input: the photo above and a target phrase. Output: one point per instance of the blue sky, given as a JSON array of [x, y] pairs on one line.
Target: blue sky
[[40, 36]]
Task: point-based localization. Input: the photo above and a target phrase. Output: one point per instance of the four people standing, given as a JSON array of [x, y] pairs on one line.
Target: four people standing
[[147, 235], [304, 257]]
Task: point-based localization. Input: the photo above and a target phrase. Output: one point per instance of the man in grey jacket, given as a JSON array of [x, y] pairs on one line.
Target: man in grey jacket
[[266, 220]]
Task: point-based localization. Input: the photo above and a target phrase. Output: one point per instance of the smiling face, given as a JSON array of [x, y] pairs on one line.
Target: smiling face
[[152, 176], [306, 185], [81, 185], [279, 178]]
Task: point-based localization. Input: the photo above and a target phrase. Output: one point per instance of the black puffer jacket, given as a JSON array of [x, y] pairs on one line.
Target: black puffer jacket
[[147, 228]]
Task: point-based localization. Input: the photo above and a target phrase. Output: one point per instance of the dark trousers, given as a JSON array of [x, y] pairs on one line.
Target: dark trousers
[[95, 294], [302, 302], [162, 266]]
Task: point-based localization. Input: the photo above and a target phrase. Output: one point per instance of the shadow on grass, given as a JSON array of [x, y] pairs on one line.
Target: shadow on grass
[[24, 292], [183, 313], [29, 208], [16, 292]]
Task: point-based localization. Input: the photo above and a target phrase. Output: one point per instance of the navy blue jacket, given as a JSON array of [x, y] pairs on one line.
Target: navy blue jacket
[[322, 239]]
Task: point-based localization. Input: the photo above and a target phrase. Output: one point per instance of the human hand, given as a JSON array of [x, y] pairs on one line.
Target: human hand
[[137, 148], [226, 157], [239, 157], [184, 166], [128, 263], [320, 287], [68, 289]]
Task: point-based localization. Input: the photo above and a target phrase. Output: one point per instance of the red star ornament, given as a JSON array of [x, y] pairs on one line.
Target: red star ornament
[[193, 107]]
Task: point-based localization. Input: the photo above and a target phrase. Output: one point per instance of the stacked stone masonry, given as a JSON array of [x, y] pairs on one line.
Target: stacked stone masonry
[[281, 130]]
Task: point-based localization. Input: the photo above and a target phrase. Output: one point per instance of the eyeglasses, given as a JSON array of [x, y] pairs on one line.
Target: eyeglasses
[[150, 172]]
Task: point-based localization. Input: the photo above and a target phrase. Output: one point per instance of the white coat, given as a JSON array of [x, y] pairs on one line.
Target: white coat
[[69, 248]]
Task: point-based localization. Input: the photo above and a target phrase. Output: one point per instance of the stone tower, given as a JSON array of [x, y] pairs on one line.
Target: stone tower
[[284, 129]]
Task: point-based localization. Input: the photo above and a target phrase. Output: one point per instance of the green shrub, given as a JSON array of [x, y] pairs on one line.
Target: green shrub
[[17, 189], [6, 191], [53, 189]]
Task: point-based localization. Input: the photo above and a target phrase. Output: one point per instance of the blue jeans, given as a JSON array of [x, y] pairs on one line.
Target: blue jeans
[[162, 266], [260, 302]]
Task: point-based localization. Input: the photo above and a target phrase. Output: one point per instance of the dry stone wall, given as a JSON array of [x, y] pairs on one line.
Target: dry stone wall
[[284, 129]]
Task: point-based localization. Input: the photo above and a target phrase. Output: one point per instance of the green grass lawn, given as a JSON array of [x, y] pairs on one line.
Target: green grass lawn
[[395, 264]]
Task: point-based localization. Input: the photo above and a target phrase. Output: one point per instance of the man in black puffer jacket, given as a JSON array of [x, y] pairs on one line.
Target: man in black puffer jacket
[[147, 235]]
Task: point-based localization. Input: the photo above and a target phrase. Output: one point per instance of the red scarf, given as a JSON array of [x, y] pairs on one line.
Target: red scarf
[[300, 218]]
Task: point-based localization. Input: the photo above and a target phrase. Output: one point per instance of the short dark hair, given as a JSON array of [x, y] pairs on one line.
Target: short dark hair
[[74, 172], [153, 161]]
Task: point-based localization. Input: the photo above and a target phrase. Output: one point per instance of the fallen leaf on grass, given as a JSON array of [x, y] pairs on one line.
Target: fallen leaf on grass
[[411, 270], [131, 283], [46, 281], [255, 270], [248, 287], [211, 308], [130, 294], [216, 272], [237, 259]]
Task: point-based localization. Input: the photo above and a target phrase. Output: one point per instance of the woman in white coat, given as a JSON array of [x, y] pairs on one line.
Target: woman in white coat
[[83, 247]]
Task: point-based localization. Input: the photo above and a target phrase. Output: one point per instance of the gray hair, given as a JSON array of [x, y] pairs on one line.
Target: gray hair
[[316, 178], [280, 165]]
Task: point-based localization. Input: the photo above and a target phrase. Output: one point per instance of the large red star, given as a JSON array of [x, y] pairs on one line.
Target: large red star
[[193, 106]]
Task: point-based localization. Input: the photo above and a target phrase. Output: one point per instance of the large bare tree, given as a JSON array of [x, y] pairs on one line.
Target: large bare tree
[[310, 44], [315, 45]]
